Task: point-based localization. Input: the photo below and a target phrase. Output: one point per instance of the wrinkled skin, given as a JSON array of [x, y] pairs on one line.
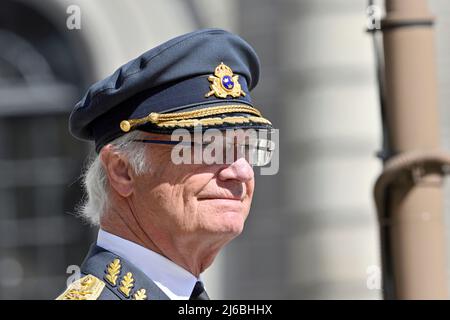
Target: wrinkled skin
[[185, 212]]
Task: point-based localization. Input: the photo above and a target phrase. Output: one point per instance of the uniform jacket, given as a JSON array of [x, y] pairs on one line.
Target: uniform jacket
[[106, 276]]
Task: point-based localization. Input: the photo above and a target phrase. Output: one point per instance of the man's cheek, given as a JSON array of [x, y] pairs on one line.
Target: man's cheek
[[250, 189]]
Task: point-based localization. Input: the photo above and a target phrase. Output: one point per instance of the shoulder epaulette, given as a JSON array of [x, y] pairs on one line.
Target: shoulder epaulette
[[87, 288]]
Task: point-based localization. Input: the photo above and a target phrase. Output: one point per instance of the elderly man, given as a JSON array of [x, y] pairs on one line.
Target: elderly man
[[162, 222]]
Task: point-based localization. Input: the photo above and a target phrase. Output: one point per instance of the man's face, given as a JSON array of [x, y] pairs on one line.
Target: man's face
[[192, 200]]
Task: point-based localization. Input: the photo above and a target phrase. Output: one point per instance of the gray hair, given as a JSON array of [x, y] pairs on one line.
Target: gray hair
[[95, 180]]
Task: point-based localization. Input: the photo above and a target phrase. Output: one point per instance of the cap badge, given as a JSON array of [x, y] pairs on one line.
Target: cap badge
[[224, 83]]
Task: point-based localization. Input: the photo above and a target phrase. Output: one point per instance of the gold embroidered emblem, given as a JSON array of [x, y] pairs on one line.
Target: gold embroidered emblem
[[86, 288], [126, 284], [112, 272], [224, 83], [140, 295]]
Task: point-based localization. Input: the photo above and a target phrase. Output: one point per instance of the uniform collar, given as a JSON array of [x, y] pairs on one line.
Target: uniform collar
[[176, 282]]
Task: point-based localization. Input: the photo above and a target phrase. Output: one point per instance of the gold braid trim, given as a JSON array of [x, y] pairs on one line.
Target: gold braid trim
[[212, 121], [189, 118]]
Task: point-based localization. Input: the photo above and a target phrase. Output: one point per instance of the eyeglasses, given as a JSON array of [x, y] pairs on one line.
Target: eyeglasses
[[257, 152]]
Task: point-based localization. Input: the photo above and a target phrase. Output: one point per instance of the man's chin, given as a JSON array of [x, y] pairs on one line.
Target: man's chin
[[224, 217], [231, 225]]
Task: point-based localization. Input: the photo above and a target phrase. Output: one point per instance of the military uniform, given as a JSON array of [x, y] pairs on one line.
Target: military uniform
[[106, 276], [199, 80]]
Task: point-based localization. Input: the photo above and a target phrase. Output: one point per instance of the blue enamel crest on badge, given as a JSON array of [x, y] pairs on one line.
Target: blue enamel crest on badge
[[224, 83]]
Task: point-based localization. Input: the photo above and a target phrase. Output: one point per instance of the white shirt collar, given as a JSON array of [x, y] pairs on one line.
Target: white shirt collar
[[176, 282]]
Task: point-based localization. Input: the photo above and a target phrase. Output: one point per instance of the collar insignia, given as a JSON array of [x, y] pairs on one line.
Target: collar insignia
[[125, 284], [224, 83], [112, 272]]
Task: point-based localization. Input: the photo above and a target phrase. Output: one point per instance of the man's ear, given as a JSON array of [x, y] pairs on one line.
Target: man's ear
[[118, 170]]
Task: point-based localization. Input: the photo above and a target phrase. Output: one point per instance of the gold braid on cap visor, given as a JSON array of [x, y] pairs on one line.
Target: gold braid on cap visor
[[189, 118]]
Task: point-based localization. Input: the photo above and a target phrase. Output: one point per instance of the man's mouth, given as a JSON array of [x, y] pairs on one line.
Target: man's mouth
[[221, 197]]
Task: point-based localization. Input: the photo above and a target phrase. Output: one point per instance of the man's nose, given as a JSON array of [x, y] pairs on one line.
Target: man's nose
[[238, 170]]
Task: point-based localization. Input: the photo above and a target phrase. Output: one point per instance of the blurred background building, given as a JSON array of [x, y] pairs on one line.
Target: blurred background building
[[312, 232]]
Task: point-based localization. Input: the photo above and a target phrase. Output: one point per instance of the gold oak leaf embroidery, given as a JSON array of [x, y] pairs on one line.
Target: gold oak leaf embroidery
[[126, 284], [112, 271], [140, 295], [80, 292], [87, 288]]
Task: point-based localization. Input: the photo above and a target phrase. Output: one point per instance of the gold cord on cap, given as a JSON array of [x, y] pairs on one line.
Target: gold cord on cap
[[190, 118]]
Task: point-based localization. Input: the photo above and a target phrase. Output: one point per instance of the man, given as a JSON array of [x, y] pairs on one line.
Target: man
[[162, 221]]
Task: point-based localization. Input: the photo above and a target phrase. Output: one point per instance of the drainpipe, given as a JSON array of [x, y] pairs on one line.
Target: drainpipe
[[408, 193]]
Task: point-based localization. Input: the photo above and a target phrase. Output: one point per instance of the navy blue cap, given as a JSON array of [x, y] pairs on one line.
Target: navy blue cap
[[200, 78]]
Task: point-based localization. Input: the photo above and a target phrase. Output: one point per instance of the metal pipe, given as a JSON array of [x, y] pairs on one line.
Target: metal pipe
[[413, 217]]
